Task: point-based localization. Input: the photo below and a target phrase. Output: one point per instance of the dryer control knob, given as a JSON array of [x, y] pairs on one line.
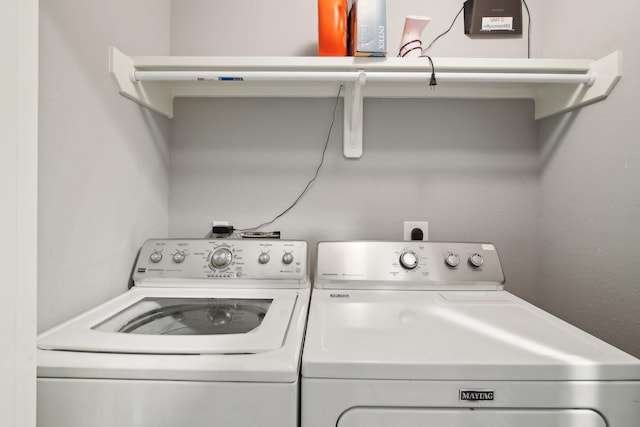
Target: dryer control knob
[[287, 258], [155, 257], [221, 258], [452, 260], [476, 260], [409, 260]]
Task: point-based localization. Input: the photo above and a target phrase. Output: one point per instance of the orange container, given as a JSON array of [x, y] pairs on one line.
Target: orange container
[[332, 27]]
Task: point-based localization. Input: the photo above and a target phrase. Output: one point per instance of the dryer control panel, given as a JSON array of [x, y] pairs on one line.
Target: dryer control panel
[[408, 265], [210, 260]]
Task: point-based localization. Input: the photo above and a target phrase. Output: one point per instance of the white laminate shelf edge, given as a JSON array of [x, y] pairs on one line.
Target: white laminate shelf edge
[[555, 85]]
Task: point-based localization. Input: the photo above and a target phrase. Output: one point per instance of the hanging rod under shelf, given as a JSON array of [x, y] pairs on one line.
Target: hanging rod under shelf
[[353, 76], [555, 85]]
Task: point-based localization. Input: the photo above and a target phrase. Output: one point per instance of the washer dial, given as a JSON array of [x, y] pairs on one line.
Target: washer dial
[[264, 257], [155, 257], [221, 258], [287, 258], [408, 260], [179, 257]]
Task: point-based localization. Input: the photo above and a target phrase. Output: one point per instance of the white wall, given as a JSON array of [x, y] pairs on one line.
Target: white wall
[[103, 185], [469, 167], [590, 198], [18, 216]]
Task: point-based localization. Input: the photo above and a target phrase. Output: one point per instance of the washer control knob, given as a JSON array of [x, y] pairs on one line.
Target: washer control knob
[[179, 257], [221, 258], [264, 257], [155, 257], [476, 260], [287, 258], [452, 260], [408, 260]]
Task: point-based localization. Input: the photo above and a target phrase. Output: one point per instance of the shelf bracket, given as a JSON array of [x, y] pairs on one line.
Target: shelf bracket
[[605, 74], [353, 113], [153, 95]]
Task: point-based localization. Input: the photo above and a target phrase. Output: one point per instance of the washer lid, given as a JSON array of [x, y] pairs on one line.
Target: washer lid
[[432, 335], [180, 321]]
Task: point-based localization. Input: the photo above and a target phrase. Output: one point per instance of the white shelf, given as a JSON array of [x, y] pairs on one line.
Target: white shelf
[[556, 85]]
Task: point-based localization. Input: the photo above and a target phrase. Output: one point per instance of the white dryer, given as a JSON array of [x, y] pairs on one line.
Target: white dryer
[[422, 334], [211, 334]]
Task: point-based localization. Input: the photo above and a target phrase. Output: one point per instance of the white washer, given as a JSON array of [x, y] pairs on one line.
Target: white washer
[[211, 334], [422, 334]]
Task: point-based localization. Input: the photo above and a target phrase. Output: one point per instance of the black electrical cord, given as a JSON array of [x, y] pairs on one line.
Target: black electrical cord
[[526, 6], [402, 55], [315, 176], [432, 81], [425, 50]]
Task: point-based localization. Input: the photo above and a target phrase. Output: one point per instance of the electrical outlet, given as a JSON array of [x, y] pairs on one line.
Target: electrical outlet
[[410, 226]]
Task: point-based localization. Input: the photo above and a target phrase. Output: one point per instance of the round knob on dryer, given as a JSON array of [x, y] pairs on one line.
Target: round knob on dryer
[[452, 260], [155, 257], [221, 258], [287, 258], [408, 260], [476, 260]]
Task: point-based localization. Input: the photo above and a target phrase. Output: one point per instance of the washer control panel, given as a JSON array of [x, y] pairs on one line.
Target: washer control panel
[[408, 265], [229, 259]]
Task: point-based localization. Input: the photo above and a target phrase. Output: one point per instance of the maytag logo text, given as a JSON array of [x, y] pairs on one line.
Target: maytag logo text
[[476, 395]]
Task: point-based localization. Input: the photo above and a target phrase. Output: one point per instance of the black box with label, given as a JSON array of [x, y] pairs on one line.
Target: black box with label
[[483, 17]]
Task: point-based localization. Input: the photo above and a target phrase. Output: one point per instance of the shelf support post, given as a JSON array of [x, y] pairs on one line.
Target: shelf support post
[[353, 113]]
